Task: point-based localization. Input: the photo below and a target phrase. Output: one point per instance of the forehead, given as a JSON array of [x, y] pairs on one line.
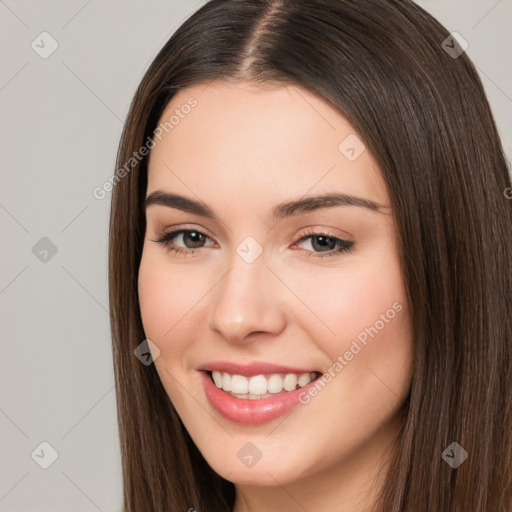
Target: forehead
[[274, 142]]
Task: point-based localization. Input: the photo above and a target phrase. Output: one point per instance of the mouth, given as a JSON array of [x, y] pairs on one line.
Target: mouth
[[256, 399], [263, 386]]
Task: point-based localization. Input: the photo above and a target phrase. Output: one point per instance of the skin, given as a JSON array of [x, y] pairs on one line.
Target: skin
[[242, 150]]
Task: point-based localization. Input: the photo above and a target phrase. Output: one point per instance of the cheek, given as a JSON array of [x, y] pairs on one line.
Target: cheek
[[163, 298], [154, 301], [346, 301], [337, 305], [362, 324], [166, 305]]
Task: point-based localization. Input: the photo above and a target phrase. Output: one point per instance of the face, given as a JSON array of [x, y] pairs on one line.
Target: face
[[313, 292]]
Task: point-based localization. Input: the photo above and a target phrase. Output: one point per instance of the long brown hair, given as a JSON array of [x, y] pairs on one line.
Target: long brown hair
[[422, 112]]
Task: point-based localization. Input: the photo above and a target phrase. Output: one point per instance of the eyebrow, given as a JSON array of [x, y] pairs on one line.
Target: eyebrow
[[287, 209]]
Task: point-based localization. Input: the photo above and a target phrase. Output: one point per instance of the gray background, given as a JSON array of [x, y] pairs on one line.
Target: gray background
[[61, 119]]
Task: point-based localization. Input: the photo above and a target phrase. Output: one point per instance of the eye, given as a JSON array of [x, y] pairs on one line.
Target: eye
[[196, 239], [326, 244]]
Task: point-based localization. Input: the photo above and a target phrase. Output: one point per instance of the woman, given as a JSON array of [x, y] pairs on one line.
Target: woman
[[311, 257]]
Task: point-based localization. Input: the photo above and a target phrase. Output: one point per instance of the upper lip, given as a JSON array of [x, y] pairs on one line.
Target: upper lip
[[250, 369]]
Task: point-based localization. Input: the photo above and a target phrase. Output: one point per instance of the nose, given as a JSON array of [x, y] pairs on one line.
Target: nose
[[247, 302]]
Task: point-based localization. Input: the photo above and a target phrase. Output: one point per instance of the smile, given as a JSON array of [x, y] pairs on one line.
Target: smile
[[256, 399], [258, 387]]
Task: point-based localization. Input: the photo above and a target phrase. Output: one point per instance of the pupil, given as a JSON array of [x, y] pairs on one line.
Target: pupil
[[324, 238], [194, 235]]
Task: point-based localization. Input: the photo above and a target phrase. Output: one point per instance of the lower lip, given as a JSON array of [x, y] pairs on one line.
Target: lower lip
[[251, 412]]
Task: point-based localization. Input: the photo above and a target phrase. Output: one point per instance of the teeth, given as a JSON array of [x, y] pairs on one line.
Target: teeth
[[218, 379], [226, 382], [239, 384], [290, 382], [257, 385], [304, 379], [275, 384]]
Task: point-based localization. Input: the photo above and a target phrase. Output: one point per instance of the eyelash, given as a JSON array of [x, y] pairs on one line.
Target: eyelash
[[345, 246]]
